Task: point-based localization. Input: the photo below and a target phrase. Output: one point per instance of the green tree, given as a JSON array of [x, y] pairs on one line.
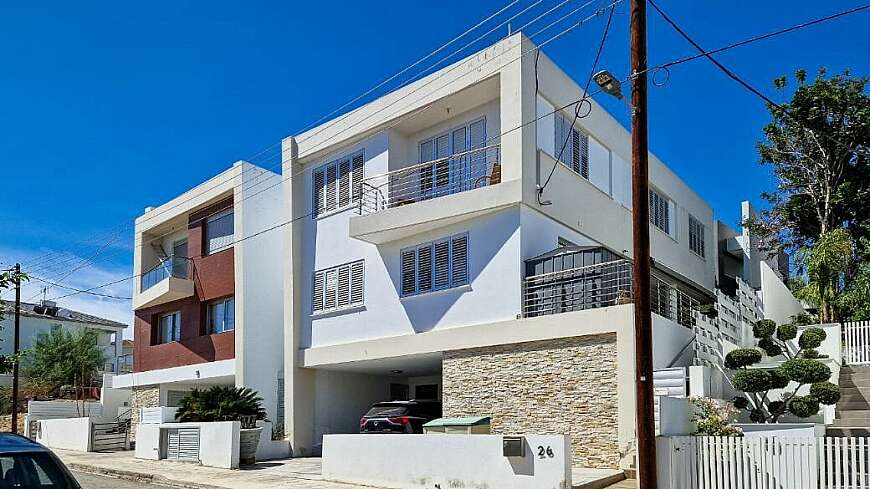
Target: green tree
[[817, 144], [8, 279], [825, 265], [801, 368], [63, 358]]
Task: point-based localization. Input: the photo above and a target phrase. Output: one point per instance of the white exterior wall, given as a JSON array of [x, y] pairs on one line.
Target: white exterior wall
[[778, 302], [342, 398], [65, 434]]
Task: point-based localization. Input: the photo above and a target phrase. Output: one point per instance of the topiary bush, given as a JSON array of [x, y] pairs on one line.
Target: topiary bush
[[801, 368]]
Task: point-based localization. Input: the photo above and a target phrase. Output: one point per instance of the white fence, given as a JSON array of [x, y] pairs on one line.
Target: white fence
[[64, 409], [857, 335], [763, 463]]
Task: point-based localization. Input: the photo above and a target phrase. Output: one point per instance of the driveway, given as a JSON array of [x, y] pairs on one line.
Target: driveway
[[92, 481]]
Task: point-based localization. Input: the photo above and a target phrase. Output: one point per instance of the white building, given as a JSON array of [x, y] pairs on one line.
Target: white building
[[41, 319]]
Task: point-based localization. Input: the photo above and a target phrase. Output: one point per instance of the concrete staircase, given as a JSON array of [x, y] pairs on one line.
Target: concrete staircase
[[853, 409]]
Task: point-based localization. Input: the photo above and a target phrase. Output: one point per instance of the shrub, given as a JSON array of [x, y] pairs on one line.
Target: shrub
[[712, 418], [763, 328], [742, 357], [753, 380], [220, 403], [740, 402], [803, 406], [812, 338], [770, 347], [778, 378], [825, 392], [806, 371], [776, 408], [786, 332]]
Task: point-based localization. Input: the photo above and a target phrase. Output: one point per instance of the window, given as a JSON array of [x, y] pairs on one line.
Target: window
[[338, 287], [221, 315], [575, 154], [170, 327], [563, 242], [219, 231], [696, 236], [659, 211], [437, 265], [449, 175], [336, 185]]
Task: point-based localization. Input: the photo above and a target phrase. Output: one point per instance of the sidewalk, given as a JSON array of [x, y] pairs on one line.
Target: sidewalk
[[295, 473]]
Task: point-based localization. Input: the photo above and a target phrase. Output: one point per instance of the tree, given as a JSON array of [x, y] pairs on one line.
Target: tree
[[818, 146], [825, 264], [8, 279], [801, 367], [63, 358]]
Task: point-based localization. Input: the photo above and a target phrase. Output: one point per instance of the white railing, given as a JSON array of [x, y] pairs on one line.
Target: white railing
[[602, 285], [857, 335], [452, 174], [157, 415], [763, 462]]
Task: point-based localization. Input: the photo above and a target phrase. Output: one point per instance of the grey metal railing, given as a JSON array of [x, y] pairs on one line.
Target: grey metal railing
[[171, 266], [456, 173], [602, 285]]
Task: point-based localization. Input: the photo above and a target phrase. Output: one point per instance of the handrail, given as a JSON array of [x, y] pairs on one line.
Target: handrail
[[431, 162]]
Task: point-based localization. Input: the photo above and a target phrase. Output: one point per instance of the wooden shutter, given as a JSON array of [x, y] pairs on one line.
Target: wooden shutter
[[331, 176], [317, 293], [442, 168], [442, 264], [357, 169], [424, 268], [575, 151], [344, 182], [459, 258], [330, 289], [317, 192], [427, 154], [409, 278], [584, 154], [357, 282], [343, 285]]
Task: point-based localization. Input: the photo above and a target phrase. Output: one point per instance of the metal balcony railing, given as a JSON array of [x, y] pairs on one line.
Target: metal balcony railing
[[171, 266], [602, 285], [456, 173]]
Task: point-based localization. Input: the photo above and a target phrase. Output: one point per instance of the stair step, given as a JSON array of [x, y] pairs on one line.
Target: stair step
[[861, 405], [841, 431], [857, 414]]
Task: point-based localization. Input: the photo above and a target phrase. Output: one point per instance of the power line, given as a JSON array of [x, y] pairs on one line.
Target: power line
[[81, 291]]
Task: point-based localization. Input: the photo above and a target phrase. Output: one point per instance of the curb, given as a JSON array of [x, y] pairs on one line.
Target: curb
[[138, 476]]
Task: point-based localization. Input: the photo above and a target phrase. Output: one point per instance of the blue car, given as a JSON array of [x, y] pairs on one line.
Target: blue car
[[27, 464]]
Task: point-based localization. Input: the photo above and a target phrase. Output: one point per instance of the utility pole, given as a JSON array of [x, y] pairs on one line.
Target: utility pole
[[15, 348], [646, 448]]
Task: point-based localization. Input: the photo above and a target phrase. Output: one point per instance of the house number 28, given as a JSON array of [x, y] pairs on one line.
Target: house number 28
[[545, 452]]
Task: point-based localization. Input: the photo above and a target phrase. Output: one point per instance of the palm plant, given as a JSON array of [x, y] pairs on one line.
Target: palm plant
[[221, 403]]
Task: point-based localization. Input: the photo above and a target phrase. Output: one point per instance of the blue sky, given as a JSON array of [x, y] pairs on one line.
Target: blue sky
[[106, 108]]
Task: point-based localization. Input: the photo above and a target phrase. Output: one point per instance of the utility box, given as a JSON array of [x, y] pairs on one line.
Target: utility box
[[513, 446], [470, 425]]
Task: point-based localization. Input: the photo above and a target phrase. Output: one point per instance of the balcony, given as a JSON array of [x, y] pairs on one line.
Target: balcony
[[168, 281], [432, 194], [602, 285]]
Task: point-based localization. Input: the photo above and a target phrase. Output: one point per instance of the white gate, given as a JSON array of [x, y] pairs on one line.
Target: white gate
[[857, 335], [764, 463], [182, 444]]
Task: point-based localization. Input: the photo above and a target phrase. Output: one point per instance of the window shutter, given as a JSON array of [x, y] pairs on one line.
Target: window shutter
[[317, 192], [442, 168], [427, 153], [584, 155], [424, 268], [331, 290], [460, 165], [219, 231], [442, 264], [343, 285], [357, 167], [575, 151], [477, 130], [344, 182], [409, 279], [317, 294], [357, 282], [459, 252], [331, 176], [558, 136]]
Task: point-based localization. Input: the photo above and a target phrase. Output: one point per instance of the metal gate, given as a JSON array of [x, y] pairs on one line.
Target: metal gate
[[106, 437], [857, 335], [182, 444]]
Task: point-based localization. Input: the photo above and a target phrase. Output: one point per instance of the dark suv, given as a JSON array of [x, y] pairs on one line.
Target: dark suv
[[399, 416], [27, 464]]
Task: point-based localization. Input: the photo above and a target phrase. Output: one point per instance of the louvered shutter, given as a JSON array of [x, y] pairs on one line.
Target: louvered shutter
[[575, 151], [442, 264], [427, 154], [183, 444], [584, 155], [477, 140], [357, 282], [343, 286], [460, 163], [409, 278], [317, 192], [442, 168], [317, 293], [424, 268], [219, 231], [330, 200], [459, 257], [558, 136], [344, 182], [330, 289], [357, 168]]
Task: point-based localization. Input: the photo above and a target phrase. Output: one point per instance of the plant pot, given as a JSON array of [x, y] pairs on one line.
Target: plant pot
[[249, 439]]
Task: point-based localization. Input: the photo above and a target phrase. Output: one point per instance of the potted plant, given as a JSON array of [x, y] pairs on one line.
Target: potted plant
[[227, 403]]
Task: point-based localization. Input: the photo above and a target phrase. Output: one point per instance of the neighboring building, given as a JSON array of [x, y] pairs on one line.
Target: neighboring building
[[208, 305], [125, 360], [45, 317], [430, 267]]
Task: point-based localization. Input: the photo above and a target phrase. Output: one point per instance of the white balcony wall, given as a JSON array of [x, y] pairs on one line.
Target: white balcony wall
[[541, 234]]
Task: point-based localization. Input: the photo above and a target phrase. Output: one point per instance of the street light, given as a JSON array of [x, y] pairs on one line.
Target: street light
[[608, 83]]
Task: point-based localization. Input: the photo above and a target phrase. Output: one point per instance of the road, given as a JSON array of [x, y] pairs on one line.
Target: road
[[90, 481]]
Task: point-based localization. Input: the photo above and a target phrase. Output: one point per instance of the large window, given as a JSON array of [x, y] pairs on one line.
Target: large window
[[170, 327], [219, 231], [449, 175], [659, 211], [696, 236], [221, 315], [338, 287], [575, 154], [336, 185], [437, 265]]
